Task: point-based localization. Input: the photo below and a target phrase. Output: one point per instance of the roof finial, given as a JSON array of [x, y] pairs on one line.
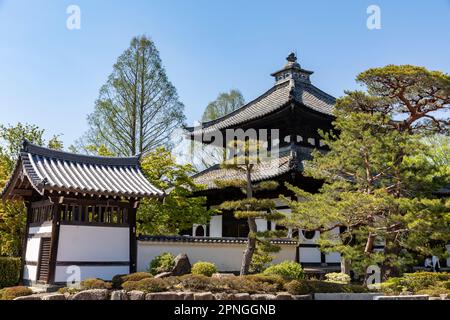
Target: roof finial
[[292, 57]]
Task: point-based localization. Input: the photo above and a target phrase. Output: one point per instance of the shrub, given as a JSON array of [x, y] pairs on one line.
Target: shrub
[[415, 282], [93, 283], [146, 285], [9, 271], [298, 287], [119, 279], [435, 291], [14, 292], [196, 282], [288, 270], [204, 268], [162, 263], [338, 277], [69, 290]]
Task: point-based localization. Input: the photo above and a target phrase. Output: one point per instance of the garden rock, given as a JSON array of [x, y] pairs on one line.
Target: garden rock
[[163, 275], [58, 296], [164, 296], [283, 296], [136, 295], [93, 294], [119, 295], [32, 297], [263, 297], [203, 296], [182, 265], [241, 296]]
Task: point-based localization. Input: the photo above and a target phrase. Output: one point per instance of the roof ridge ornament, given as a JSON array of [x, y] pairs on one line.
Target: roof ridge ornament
[[292, 70]]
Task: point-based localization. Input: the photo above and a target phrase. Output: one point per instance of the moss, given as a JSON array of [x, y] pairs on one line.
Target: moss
[[14, 292], [94, 284]]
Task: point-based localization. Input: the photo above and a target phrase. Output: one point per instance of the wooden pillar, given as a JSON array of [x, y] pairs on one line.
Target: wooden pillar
[[133, 241], [56, 219]]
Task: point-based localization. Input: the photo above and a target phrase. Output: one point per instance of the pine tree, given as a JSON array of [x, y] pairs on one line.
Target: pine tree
[[378, 175], [245, 158]]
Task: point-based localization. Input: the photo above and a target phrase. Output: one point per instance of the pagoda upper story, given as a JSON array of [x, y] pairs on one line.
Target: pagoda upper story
[[293, 105]]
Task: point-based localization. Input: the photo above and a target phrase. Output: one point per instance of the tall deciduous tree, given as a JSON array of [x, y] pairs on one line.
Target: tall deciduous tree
[[138, 108], [225, 103], [179, 209], [245, 157], [379, 174], [12, 213]]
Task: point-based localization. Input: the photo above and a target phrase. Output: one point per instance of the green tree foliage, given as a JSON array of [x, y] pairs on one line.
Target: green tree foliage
[[225, 103], [380, 174], [179, 209], [246, 156], [138, 108], [203, 156], [12, 214]]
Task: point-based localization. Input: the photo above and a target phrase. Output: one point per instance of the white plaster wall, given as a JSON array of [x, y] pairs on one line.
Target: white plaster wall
[[261, 224], [333, 257], [63, 274], [30, 272], [41, 229], [32, 253], [448, 259], [87, 243], [309, 255], [227, 256], [215, 226]]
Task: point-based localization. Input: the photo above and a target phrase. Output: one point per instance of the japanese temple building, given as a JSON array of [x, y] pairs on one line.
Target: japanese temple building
[[293, 108], [81, 211]]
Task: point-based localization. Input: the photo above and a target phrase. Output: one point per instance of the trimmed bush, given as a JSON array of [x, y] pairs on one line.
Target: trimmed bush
[[162, 263], [204, 268], [196, 282], [14, 292], [9, 271], [119, 279], [147, 285], [298, 287], [416, 282], [288, 270], [93, 283], [338, 277]]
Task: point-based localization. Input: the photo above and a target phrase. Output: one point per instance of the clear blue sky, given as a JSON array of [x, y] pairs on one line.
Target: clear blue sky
[[50, 76]]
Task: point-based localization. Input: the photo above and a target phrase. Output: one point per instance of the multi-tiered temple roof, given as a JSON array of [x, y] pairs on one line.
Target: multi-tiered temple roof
[[293, 105], [292, 85]]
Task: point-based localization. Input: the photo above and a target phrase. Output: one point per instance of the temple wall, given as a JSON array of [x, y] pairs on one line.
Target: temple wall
[[99, 252], [226, 256]]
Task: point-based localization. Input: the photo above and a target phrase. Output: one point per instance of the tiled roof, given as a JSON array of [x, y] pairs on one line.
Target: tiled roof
[[59, 171], [190, 239], [274, 167], [277, 97]]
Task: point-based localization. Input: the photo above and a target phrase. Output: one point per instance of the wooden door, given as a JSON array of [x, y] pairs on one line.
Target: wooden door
[[44, 260]]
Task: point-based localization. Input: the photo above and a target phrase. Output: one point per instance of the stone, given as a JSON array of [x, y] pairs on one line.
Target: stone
[[283, 296], [163, 275], [136, 295], [203, 296], [188, 295], [410, 297], [119, 295], [170, 295], [182, 265], [346, 296], [302, 297], [93, 294], [241, 296], [31, 297], [263, 296], [57, 296], [222, 296]]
